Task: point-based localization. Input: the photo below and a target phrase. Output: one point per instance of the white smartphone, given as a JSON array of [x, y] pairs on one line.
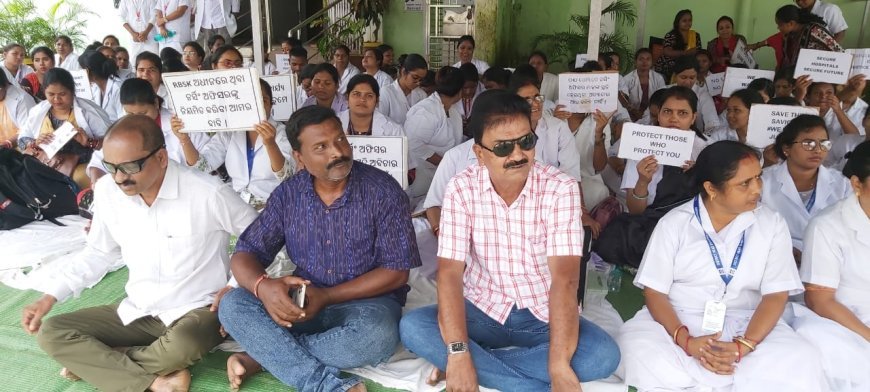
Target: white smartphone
[[298, 296]]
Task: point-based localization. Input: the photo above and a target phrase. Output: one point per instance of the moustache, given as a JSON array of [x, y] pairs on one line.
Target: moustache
[[126, 183], [513, 164], [337, 161]]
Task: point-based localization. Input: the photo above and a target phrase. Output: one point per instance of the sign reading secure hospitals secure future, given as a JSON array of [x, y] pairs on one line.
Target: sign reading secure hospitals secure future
[[586, 92], [672, 147], [216, 101], [388, 153], [767, 121], [822, 66], [283, 95]]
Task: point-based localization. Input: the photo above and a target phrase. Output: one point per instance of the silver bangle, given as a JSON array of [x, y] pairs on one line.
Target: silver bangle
[[636, 197]]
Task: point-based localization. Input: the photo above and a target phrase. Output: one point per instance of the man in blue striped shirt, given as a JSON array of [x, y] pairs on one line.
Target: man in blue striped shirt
[[347, 227]]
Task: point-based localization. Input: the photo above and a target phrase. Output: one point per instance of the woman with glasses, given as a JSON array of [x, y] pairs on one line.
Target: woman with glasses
[[14, 107], [800, 187], [371, 62], [465, 48], [192, 55], [361, 118], [716, 279], [834, 271], [60, 107], [346, 70], [13, 63], [226, 57], [398, 97]]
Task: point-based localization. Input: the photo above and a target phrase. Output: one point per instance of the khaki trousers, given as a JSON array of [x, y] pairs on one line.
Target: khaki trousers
[[82, 341]]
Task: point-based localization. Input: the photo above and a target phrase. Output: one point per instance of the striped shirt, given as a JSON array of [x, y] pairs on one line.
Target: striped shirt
[[368, 227], [506, 247]]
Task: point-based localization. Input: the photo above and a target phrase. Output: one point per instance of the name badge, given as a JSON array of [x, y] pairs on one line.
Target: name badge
[[246, 196], [714, 317]]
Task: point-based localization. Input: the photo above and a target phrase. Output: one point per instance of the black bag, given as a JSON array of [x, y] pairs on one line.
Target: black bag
[[31, 191]]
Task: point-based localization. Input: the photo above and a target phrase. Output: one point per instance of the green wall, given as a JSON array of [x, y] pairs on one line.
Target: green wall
[[404, 30]]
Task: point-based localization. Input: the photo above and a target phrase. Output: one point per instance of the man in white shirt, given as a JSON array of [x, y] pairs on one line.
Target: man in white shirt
[[171, 226], [215, 17], [64, 56], [832, 15]]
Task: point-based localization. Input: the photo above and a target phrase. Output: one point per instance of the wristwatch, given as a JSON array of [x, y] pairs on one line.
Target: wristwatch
[[457, 348]]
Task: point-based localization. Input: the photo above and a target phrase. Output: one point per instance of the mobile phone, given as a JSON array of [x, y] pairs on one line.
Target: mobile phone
[[298, 296]]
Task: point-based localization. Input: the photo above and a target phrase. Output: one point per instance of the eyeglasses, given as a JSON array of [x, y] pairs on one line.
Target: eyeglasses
[[131, 167], [506, 147], [810, 144], [534, 98]]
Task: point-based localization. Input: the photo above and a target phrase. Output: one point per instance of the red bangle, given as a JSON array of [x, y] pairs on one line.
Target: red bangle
[[257, 284]]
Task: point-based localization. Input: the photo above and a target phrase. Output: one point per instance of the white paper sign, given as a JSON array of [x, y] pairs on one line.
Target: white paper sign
[[715, 82], [860, 62], [586, 92], [388, 153], [283, 95], [581, 59], [216, 101], [282, 63], [822, 66], [739, 78], [767, 121], [414, 5], [59, 139], [742, 55], [83, 84], [672, 147]]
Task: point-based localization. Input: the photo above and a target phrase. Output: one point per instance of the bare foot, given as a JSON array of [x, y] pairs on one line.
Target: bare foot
[[239, 367], [65, 373], [175, 382], [361, 387], [435, 377]]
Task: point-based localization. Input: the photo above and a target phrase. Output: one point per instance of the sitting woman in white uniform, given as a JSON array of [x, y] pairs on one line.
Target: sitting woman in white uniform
[[636, 87], [800, 187], [716, 277], [652, 189], [686, 74], [399, 96], [434, 126], [497, 78], [361, 118], [837, 280], [549, 82], [371, 62], [471, 79], [105, 83], [346, 70], [465, 47], [15, 105], [149, 67], [256, 160], [737, 113], [324, 89]]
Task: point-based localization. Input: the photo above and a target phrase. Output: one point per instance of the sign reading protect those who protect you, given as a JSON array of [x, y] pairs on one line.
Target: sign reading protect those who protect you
[[216, 101], [672, 147], [587, 92], [388, 153], [767, 121]]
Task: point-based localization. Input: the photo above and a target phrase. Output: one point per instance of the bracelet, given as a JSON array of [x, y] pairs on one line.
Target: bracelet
[[739, 354], [257, 285], [636, 197], [745, 342], [677, 332]]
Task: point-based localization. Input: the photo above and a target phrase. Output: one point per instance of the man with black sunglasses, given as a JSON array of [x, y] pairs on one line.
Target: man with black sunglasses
[[170, 225], [508, 269]]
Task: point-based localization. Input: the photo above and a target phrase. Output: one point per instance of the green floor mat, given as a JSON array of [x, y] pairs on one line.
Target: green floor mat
[[628, 300], [29, 369]]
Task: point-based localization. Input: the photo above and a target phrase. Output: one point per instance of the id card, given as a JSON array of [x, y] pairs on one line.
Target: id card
[[714, 317]]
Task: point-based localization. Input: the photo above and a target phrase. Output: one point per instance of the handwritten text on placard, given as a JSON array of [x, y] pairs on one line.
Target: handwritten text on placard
[[715, 82], [672, 147], [216, 101], [83, 85], [586, 92], [282, 63]]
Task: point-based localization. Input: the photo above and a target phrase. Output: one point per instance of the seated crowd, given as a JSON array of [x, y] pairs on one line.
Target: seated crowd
[[505, 177]]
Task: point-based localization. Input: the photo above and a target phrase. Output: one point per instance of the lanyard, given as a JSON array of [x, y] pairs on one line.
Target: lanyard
[[812, 201], [729, 274], [251, 153]]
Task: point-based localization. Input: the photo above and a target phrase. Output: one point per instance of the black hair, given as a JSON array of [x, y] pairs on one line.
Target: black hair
[[747, 96], [589, 66], [44, 50], [525, 72], [98, 65], [763, 85], [470, 72], [793, 129], [814, 85], [658, 98], [724, 17], [858, 164], [111, 36], [785, 101], [679, 43], [13, 46], [328, 68], [305, 117], [607, 60], [787, 74], [718, 163], [384, 48], [429, 80], [216, 56], [292, 41], [60, 76], [137, 91], [497, 75], [308, 71], [413, 62], [685, 62], [299, 51], [119, 49], [642, 51], [379, 56], [522, 80], [466, 38], [793, 13], [64, 38], [4, 80], [493, 107], [540, 54], [196, 48], [144, 126], [151, 58], [341, 47], [449, 81], [213, 40], [266, 88], [684, 94], [363, 78], [703, 52], [93, 46], [173, 64]]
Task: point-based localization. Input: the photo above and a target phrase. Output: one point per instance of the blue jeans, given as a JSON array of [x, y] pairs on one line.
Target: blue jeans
[[513, 356], [309, 356]]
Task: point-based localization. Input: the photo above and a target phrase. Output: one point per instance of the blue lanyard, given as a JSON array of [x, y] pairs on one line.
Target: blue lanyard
[[725, 275], [812, 201], [251, 153]]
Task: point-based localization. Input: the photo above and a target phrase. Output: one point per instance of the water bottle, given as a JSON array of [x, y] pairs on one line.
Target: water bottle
[[159, 37], [614, 279]]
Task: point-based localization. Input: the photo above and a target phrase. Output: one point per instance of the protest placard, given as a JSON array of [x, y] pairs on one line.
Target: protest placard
[[739, 78], [672, 147], [388, 153], [742, 55], [586, 92], [216, 101], [83, 84], [282, 63], [860, 62], [767, 121], [823, 66], [581, 59], [715, 82], [283, 95], [60, 137]]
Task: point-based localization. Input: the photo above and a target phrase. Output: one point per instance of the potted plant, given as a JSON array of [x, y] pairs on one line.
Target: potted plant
[[371, 12], [21, 23]]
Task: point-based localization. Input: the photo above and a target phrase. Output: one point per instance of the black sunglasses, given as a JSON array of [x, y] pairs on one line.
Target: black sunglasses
[[131, 167], [506, 147]]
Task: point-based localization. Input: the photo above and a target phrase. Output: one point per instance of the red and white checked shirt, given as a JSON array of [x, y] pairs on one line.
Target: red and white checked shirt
[[507, 246]]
